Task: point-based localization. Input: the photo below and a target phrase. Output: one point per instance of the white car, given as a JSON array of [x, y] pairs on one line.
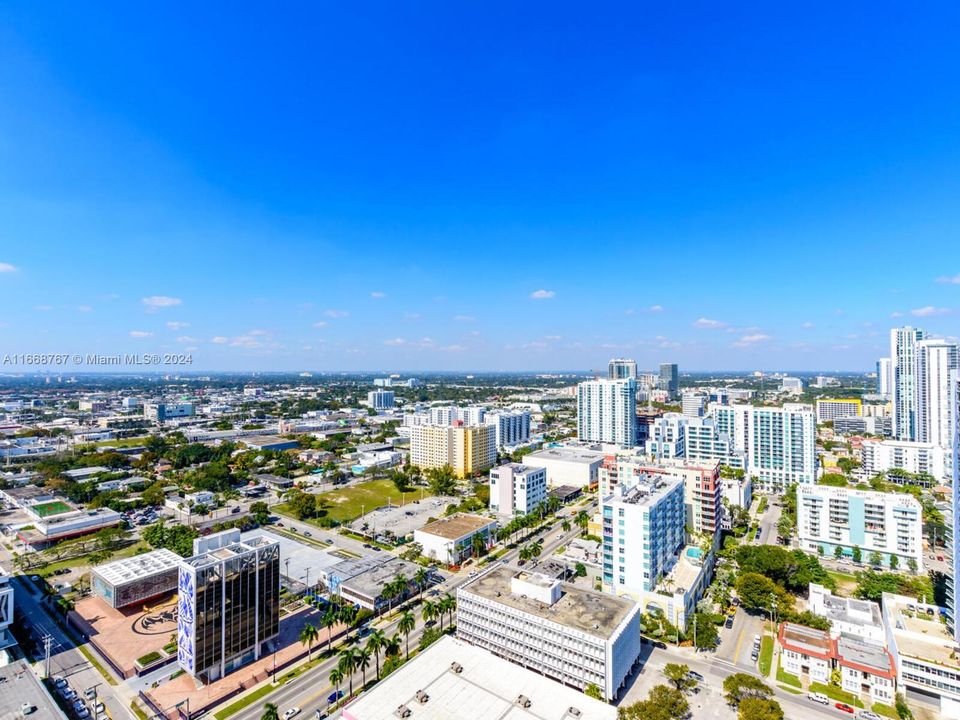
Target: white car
[[291, 712], [819, 698]]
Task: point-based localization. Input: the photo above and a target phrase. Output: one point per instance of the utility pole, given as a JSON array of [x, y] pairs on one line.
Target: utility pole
[[47, 642], [694, 633]]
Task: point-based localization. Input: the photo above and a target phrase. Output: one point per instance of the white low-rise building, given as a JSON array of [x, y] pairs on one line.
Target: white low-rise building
[[806, 652], [450, 540], [574, 466], [578, 637], [517, 489], [850, 616], [889, 524], [878, 456]]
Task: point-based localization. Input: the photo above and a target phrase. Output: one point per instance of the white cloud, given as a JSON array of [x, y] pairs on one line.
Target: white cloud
[[187, 339], [929, 311], [750, 340], [377, 295], [84, 308], [43, 308], [951, 280], [140, 334], [155, 302], [336, 313], [452, 348], [7, 268], [656, 308], [707, 323], [394, 342], [258, 333], [219, 340], [807, 325], [553, 337], [629, 311], [320, 324], [542, 294], [896, 314], [411, 316], [177, 325], [464, 318]]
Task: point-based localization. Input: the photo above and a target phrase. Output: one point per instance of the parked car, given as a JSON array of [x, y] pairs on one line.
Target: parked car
[[728, 623], [694, 675], [334, 696], [819, 698], [867, 715], [27, 709], [291, 712], [845, 708], [59, 682], [90, 693]]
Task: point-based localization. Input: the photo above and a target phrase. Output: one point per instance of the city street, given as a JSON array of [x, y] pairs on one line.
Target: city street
[[65, 659]]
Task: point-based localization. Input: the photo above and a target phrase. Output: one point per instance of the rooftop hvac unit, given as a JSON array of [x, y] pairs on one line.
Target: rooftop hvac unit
[[522, 701], [456, 667], [573, 712], [402, 712], [422, 697]]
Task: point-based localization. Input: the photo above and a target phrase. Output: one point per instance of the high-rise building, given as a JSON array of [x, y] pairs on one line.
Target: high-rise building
[[779, 443], [884, 377], [693, 404], [517, 489], [468, 449], [903, 370], [936, 360], [669, 379], [643, 532], [228, 607], [953, 511], [829, 409], [667, 437], [510, 427], [380, 399], [622, 369], [607, 412], [888, 524]]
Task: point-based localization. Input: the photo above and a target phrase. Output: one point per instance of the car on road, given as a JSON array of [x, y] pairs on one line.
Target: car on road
[[728, 623], [867, 715], [328, 541], [99, 708], [845, 708], [819, 698], [334, 696], [307, 533], [279, 524], [27, 709], [291, 712], [694, 675], [90, 693], [472, 573]]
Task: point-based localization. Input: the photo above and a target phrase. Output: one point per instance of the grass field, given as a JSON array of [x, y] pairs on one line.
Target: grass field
[[766, 655], [124, 442], [846, 583], [54, 507], [346, 504]]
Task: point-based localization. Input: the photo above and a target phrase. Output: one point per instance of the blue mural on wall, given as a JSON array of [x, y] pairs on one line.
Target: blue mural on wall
[[185, 604]]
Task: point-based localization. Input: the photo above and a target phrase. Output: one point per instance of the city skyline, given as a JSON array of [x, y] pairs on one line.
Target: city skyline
[[694, 187]]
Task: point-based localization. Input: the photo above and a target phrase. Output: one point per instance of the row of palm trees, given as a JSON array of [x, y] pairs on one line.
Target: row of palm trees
[[531, 551]]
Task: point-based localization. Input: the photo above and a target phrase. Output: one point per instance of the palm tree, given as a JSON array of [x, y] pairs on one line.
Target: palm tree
[[429, 611], [565, 526], [270, 712], [391, 646], [448, 604], [361, 657], [407, 623], [328, 620], [308, 636], [582, 520], [336, 677], [375, 643], [347, 664], [420, 578]]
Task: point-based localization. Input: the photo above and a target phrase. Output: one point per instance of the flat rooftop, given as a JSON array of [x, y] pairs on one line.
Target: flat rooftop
[[918, 634], [227, 552], [370, 583], [457, 526], [297, 557], [587, 611], [853, 651], [20, 685], [565, 454], [486, 688], [809, 640], [122, 571], [648, 490], [402, 520]]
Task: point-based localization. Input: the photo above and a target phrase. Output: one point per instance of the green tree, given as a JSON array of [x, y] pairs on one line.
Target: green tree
[[838, 552], [308, 636], [755, 708], [580, 570], [876, 559], [758, 592], [707, 635], [362, 660], [347, 664], [270, 712], [260, 512], [376, 642], [739, 686], [336, 677], [593, 690], [662, 703], [406, 625], [857, 554], [679, 675], [894, 562]]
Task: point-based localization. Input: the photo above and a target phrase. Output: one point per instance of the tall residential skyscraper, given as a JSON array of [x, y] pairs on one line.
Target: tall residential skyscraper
[[607, 412], [884, 377], [622, 369], [953, 521], [228, 607], [903, 359], [936, 360], [669, 378]]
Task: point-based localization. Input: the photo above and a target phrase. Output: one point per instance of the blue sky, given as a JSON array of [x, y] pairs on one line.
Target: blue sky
[[337, 186]]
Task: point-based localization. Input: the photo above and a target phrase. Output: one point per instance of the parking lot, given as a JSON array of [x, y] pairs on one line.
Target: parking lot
[[400, 521], [20, 690]]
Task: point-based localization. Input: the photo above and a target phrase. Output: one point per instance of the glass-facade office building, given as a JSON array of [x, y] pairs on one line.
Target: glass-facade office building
[[229, 607]]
